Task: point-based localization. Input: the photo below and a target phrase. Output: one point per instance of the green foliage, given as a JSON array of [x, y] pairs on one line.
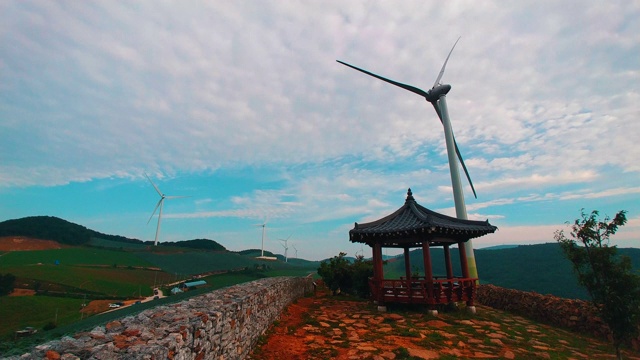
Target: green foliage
[[7, 282], [335, 273], [612, 285], [200, 244], [339, 274]]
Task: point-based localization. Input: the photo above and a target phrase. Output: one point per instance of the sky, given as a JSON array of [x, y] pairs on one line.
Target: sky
[[241, 106]]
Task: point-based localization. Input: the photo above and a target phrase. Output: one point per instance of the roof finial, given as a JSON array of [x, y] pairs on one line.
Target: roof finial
[[410, 196]]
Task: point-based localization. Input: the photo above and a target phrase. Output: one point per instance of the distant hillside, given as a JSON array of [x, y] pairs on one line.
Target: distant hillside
[[65, 232], [203, 244], [541, 268], [48, 228], [255, 253], [499, 247]]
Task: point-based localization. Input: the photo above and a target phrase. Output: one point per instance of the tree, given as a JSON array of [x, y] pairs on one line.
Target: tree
[[7, 282], [608, 278], [335, 273], [341, 275]]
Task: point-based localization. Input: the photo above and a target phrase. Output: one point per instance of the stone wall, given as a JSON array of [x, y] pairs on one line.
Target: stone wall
[[577, 315], [222, 324]]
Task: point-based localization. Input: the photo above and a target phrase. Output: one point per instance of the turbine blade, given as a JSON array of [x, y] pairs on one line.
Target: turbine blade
[[435, 106], [154, 185], [176, 197], [413, 89], [464, 167], [445, 64], [155, 209]]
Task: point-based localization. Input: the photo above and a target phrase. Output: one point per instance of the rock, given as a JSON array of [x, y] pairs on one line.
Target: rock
[[437, 323], [367, 348], [424, 353], [52, 355]]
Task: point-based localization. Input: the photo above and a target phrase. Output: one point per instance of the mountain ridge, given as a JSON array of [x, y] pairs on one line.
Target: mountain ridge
[[69, 233]]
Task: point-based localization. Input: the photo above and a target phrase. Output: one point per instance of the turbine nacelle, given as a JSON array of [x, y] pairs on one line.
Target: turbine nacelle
[[436, 92]]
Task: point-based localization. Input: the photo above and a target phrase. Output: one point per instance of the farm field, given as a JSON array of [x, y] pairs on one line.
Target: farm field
[[196, 262], [70, 256], [36, 311], [65, 277]]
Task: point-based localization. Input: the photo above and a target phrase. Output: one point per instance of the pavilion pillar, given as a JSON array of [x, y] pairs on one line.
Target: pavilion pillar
[[378, 276], [426, 255], [447, 262], [428, 270], [407, 264]]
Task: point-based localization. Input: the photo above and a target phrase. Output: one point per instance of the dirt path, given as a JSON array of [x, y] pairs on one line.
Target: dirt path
[[327, 327]]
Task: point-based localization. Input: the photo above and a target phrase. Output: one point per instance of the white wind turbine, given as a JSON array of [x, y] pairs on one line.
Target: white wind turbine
[[264, 226], [437, 97], [296, 249], [284, 243], [160, 205]]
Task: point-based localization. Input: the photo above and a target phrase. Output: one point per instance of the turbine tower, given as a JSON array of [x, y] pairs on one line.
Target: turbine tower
[[437, 96], [159, 205], [264, 224], [296, 249], [286, 247]]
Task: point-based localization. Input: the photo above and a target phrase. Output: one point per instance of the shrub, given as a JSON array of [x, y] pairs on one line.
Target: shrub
[[341, 275]]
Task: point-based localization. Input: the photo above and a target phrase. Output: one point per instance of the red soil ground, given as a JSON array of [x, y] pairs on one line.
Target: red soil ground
[[327, 327], [23, 243]]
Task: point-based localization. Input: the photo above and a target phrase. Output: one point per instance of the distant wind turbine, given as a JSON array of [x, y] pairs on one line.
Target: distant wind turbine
[[264, 225], [294, 248], [286, 247], [159, 205], [437, 97]]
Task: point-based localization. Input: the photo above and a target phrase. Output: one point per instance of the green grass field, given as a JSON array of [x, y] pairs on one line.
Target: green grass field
[[196, 262], [97, 242], [20, 311], [70, 256]]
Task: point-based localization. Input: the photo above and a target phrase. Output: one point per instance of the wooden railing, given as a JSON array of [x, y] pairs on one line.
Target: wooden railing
[[419, 291]]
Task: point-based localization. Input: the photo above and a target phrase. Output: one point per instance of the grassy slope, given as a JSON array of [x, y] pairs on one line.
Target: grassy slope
[[37, 311], [196, 262], [70, 256]]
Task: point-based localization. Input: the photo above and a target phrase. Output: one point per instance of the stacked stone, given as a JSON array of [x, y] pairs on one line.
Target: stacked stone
[[573, 314], [223, 324]]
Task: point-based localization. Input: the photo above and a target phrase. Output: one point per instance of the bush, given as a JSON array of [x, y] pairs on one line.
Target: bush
[[7, 282], [341, 275]]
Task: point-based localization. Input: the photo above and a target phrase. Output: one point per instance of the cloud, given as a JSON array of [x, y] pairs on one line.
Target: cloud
[[544, 101]]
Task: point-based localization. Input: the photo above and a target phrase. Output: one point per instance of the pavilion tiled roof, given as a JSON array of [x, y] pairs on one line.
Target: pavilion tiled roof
[[415, 223]]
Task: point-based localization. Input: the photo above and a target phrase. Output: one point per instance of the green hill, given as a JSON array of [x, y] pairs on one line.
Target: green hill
[[541, 268], [65, 232]]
